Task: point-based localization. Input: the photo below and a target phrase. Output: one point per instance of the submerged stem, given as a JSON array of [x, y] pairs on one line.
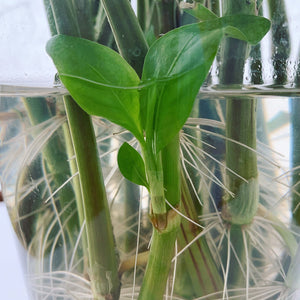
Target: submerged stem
[[103, 262], [160, 257], [240, 209], [240, 126], [198, 263]]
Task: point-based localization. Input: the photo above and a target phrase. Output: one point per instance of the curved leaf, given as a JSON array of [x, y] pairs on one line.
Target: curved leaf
[[176, 66], [132, 165], [99, 80], [174, 69], [252, 28]]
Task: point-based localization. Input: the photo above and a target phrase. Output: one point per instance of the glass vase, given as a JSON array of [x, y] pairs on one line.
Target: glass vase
[[85, 230]]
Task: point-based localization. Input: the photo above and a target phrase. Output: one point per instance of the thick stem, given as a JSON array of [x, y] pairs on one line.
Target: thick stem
[[143, 7], [102, 259], [83, 10], [214, 6], [241, 127], [155, 177], [280, 40], [101, 252], [240, 208], [165, 169], [160, 257], [167, 15], [64, 17], [295, 129], [198, 263], [127, 32], [56, 159]]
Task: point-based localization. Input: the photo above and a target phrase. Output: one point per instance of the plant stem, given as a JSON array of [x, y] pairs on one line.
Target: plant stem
[[56, 159], [199, 265], [214, 6], [295, 108], [143, 8], [280, 40], [83, 10], [240, 208], [102, 259], [167, 15], [64, 18], [101, 252], [241, 127], [164, 175], [133, 47], [171, 169], [127, 32], [160, 257]]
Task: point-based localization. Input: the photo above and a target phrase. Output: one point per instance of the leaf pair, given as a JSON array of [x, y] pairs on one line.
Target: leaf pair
[[158, 105]]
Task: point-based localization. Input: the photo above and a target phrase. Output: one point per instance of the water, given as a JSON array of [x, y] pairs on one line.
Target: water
[[33, 191]]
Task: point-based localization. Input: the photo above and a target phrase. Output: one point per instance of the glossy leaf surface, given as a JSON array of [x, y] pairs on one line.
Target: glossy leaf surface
[[132, 165], [176, 66], [99, 79]]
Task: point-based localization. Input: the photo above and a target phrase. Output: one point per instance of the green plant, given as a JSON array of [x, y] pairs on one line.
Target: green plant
[[153, 109], [150, 92]]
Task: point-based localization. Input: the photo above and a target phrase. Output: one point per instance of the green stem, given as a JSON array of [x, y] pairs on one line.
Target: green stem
[[240, 127], [214, 6], [164, 180], [101, 252], [240, 208], [127, 32], [171, 169], [56, 159], [167, 15], [155, 175], [64, 17], [143, 7], [295, 129], [199, 265], [295, 108], [83, 10], [280, 40], [102, 259], [160, 258], [77, 190]]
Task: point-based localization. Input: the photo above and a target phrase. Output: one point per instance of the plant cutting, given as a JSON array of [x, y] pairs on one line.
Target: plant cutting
[[150, 92]]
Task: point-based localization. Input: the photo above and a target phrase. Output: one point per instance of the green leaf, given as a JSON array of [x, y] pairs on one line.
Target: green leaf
[[99, 80], [200, 12], [174, 69], [248, 28], [176, 66], [132, 165]]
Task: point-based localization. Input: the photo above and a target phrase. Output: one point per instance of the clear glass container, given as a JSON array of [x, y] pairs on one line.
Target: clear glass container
[[85, 231]]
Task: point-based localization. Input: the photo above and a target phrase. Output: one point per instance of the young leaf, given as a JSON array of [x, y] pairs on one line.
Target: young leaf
[[99, 80], [176, 66], [132, 165], [174, 69]]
